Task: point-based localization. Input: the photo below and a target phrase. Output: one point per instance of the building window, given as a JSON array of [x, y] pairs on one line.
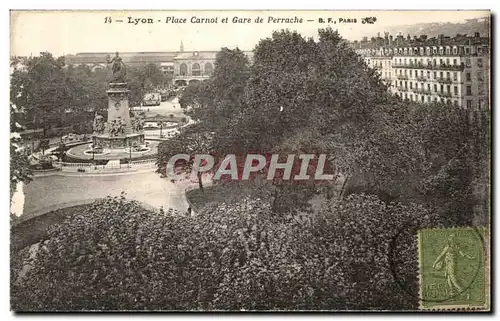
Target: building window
[[455, 77], [480, 63], [406, 84], [454, 62], [448, 88], [435, 75], [469, 104], [448, 75], [183, 69], [467, 50], [422, 98], [195, 69], [434, 61], [422, 73], [411, 73], [411, 85], [442, 88], [406, 95], [440, 62], [441, 75], [480, 50], [480, 89], [209, 68], [435, 88], [428, 87], [467, 62], [455, 90], [455, 103], [480, 76], [467, 76], [480, 104], [448, 61], [411, 97], [469, 90], [401, 83], [406, 72], [416, 85], [428, 75], [455, 50]]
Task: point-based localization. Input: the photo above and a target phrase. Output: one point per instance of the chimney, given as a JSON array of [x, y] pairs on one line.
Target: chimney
[[408, 37], [390, 40], [440, 39]]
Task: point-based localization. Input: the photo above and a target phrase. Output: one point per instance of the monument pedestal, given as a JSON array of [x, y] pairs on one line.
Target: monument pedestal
[[118, 132]]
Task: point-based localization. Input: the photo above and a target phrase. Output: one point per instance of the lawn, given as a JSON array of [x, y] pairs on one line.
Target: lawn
[[35, 230]]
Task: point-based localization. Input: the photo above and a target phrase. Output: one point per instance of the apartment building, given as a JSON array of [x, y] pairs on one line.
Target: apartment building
[[452, 70]]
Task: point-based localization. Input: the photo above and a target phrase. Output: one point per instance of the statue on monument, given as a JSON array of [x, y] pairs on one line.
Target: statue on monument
[[138, 123], [98, 124], [118, 68]]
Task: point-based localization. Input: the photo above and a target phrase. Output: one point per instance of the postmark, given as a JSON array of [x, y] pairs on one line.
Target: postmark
[[453, 269]]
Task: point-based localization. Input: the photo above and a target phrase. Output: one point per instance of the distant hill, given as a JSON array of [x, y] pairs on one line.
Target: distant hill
[[447, 28]]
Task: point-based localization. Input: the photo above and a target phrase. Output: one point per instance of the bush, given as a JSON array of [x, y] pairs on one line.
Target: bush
[[358, 254]]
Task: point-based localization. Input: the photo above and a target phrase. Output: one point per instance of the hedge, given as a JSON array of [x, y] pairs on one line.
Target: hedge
[[115, 255]]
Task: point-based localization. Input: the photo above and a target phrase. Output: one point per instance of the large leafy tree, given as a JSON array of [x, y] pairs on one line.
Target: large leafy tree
[[142, 80], [41, 90], [191, 141]]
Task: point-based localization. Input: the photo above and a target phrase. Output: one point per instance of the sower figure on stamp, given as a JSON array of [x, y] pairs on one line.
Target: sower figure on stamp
[[448, 258]]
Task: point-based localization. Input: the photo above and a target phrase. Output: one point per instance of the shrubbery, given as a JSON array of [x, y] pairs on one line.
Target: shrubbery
[[358, 254]]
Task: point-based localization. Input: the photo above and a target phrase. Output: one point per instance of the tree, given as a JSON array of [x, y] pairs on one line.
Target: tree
[[44, 145], [192, 140], [42, 90], [19, 164], [143, 80]]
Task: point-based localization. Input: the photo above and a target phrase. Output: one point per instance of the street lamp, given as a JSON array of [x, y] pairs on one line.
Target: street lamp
[[130, 155], [93, 155]]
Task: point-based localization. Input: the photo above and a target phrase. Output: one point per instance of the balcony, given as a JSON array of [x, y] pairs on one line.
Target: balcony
[[401, 88], [402, 77], [443, 80], [451, 67], [444, 94], [409, 66], [422, 78]]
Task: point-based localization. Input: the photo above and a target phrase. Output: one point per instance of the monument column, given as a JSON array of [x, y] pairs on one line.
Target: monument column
[[118, 131]]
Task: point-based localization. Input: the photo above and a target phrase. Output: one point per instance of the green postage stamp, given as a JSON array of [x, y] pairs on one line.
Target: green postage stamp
[[453, 269]]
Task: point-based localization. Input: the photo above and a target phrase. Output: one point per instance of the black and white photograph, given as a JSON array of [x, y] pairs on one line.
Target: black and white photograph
[[240, 161]]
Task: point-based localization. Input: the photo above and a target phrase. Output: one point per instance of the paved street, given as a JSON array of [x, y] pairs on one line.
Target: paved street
[[47, 192], [166, 108]]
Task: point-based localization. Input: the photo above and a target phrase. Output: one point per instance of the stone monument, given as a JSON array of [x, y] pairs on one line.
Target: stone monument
[[118, 131]]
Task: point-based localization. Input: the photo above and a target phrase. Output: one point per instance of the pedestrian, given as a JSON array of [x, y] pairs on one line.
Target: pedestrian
[[189, 211]]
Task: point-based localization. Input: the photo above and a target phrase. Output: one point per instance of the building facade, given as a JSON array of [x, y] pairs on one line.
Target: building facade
[[453, 70]]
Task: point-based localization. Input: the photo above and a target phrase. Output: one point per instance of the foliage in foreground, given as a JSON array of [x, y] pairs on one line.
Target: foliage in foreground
[[358, 254]]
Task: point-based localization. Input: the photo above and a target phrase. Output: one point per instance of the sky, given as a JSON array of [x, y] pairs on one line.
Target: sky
[[70, 32]]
